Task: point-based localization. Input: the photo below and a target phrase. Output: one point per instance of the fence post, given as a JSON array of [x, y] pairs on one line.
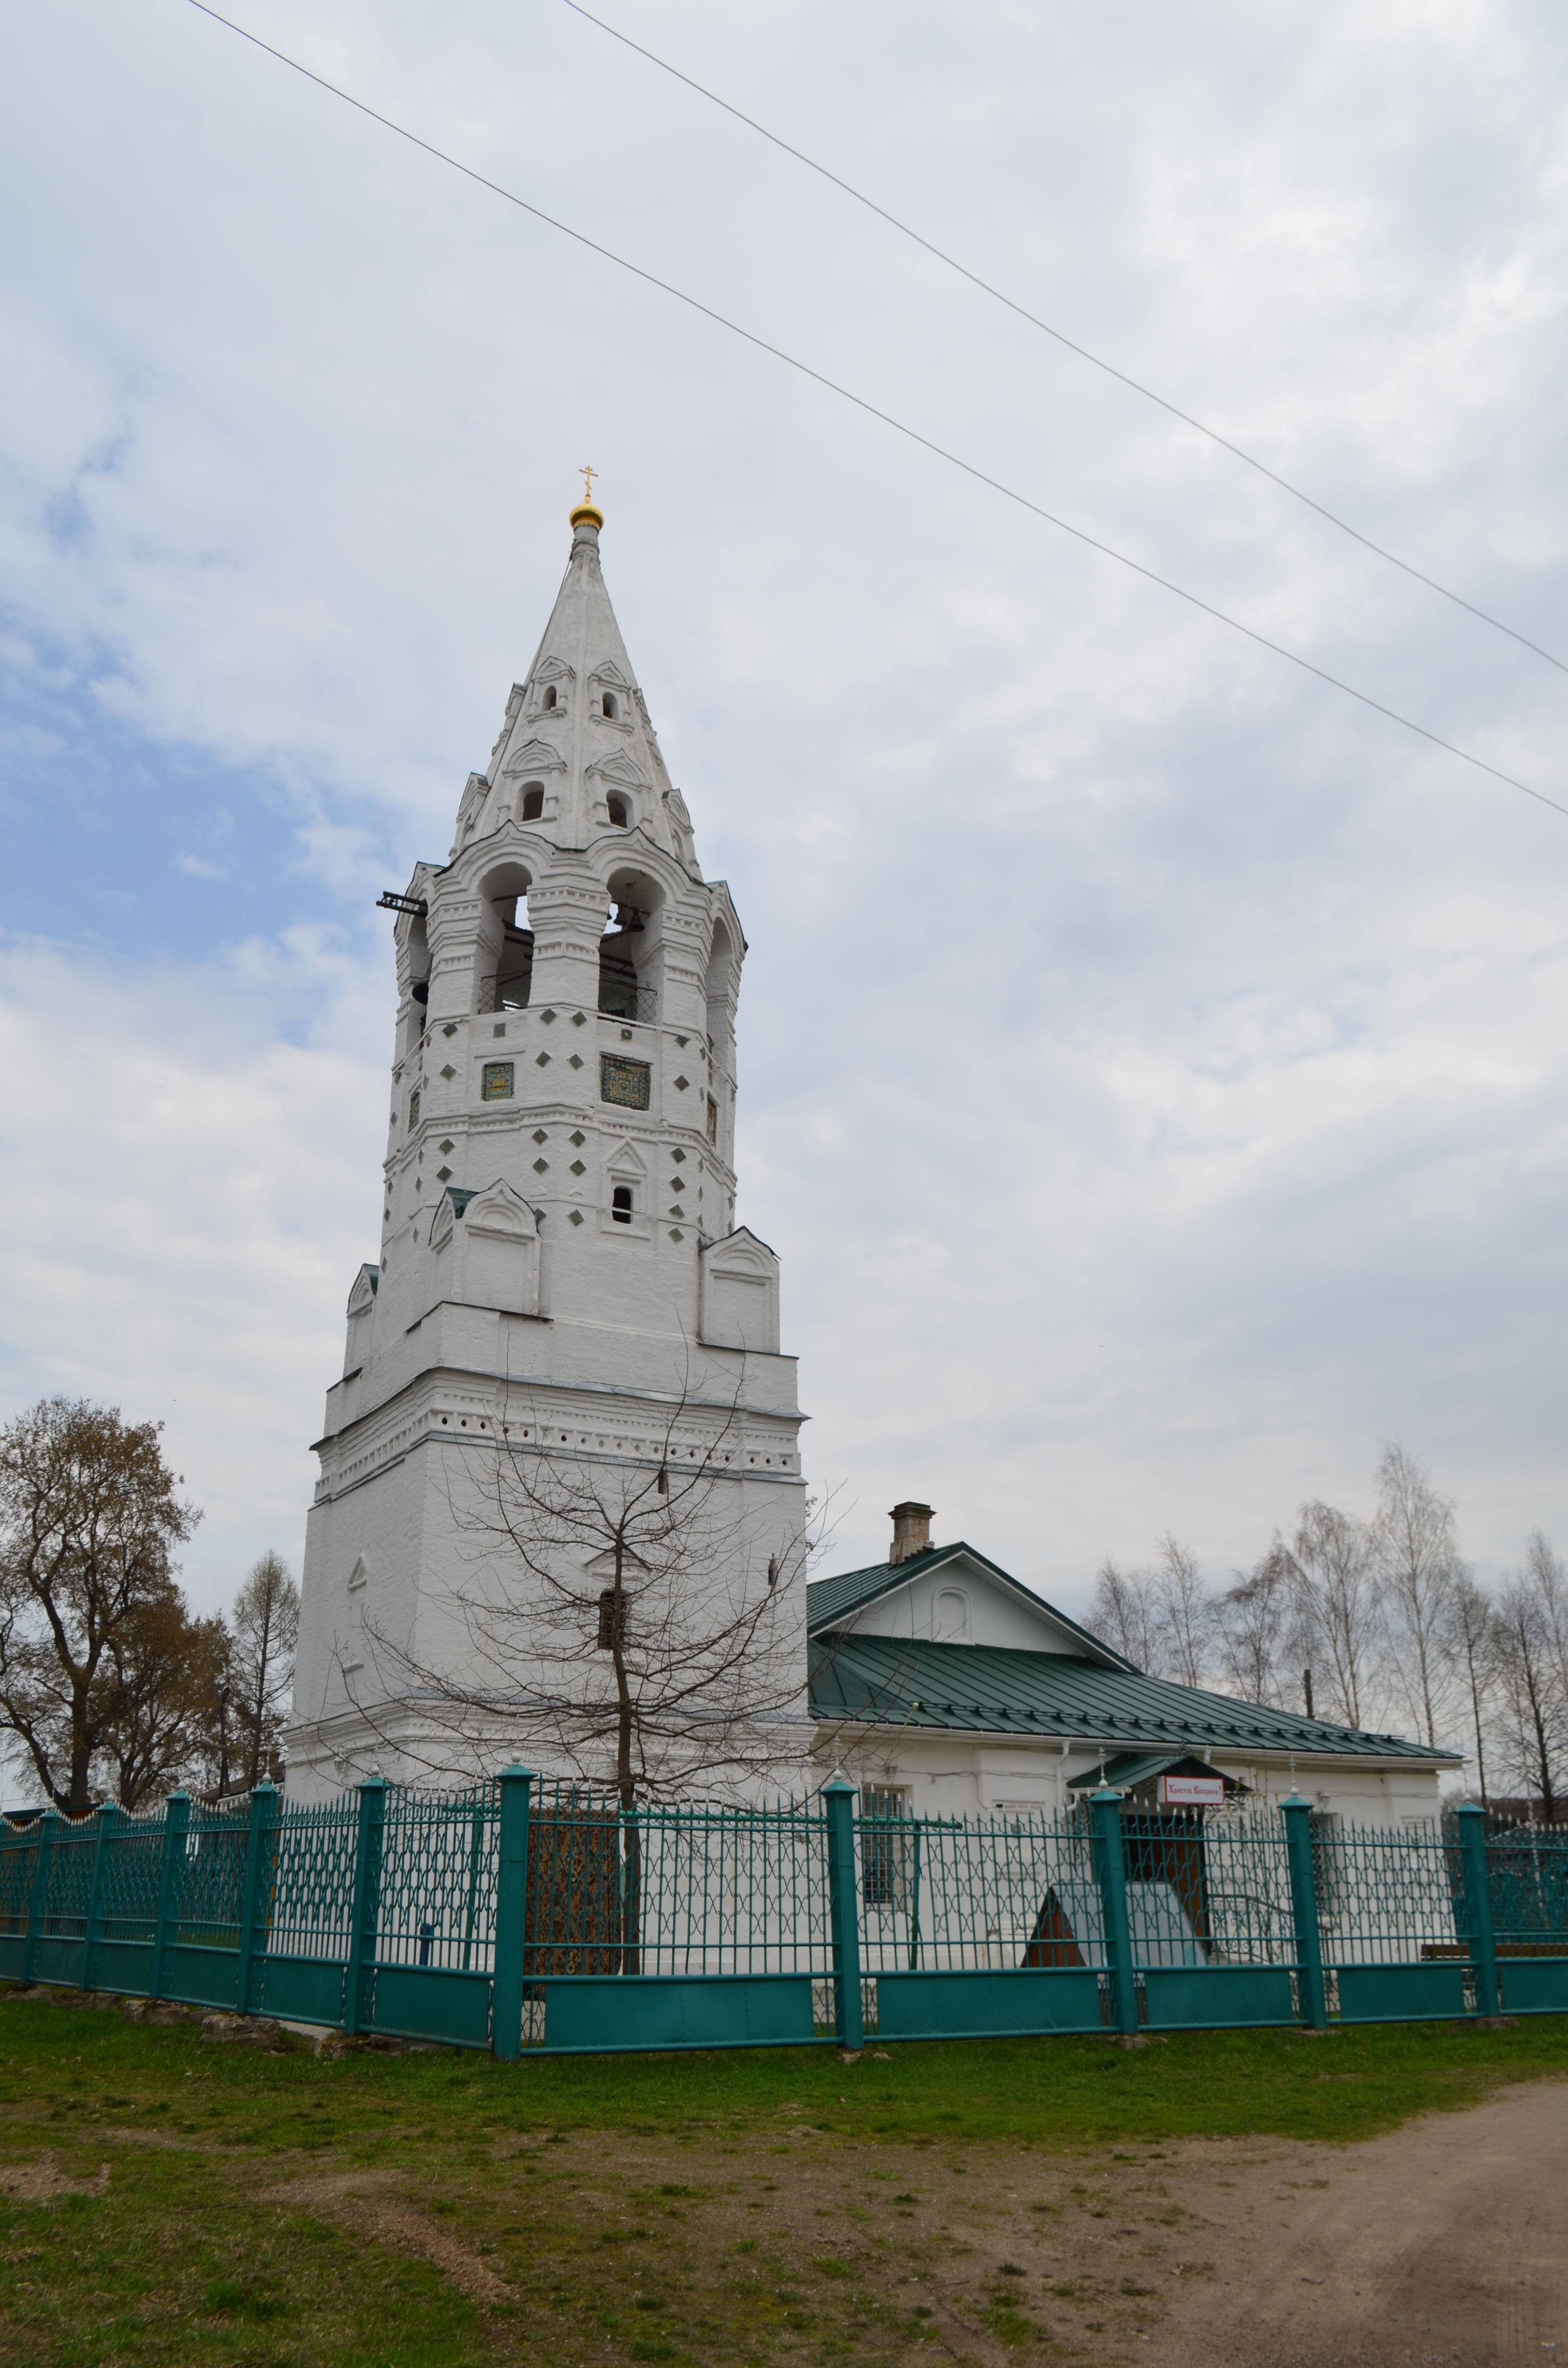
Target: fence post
[[107, 1811], [844, 1913], [1111, 1871], [37, 1896], [511, 1912], [361, 1971], [166, 1931], [1481, 1937], [255, 1892], [1304, 1910]]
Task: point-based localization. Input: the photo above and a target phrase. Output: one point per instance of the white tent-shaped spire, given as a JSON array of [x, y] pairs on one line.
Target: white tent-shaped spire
[[578, 753]]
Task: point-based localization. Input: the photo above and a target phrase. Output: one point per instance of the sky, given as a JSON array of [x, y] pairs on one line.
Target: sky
[[1151, 1059]]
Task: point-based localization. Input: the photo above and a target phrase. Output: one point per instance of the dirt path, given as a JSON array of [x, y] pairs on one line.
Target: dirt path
[[1443, 2242]]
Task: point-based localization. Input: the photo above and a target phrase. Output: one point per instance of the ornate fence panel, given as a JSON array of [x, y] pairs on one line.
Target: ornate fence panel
[[526, 1916]]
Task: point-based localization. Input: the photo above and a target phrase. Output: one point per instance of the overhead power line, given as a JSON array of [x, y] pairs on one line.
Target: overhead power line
[[913, 436], [1071, 345]]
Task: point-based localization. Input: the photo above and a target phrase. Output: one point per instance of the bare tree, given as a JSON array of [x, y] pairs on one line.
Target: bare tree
[[265, 1629], [1255, 1618], [1124, 1612], [1418, 1562], [1471, 1646], [1536, 1715], [89, 1519], [1184, 1614], [620, 1621], [1335, 1582], [1546, 1575]]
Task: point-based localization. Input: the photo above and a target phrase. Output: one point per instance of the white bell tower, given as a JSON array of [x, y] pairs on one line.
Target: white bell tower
[[558, 1257]]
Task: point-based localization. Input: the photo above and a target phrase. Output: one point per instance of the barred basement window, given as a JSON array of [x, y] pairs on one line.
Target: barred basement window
[[628, 1083], [496, 1081]]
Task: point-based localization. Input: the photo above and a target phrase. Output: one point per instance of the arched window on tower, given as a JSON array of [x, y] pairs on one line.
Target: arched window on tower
[[610, 708], [532, 808], [549, 698], [620, 1204], [504, 955], [617, 814]]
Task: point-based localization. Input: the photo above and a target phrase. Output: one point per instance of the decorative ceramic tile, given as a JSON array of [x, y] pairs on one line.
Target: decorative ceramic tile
[[577, 1060], [540, 1134], [578, 1137], [543, 1062], [578, 1168], [712, 1120], [450, 1029], [678, 1156], [541, 1165], [681, 1084], [547, 1017], [575, 1218], [676, 1234], [496, 1081], [412, 1112], [579, 1019], [628, 1083]]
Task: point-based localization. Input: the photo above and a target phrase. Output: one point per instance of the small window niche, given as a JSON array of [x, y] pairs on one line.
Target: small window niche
[[616, 806], [547, 702], [533, 807], [620, 1204], [413, 1111], [949, 1616], [611, 707]]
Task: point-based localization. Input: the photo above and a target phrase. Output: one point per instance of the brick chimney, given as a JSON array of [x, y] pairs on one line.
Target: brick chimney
[[911, 1531]]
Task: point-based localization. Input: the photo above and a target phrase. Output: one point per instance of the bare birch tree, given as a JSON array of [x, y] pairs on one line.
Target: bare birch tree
[[1255, 1619], [1184, 1614], [1124, 1612], [1535, 1729], [1471, 1646], [1418, 1562], [1334, 1574], [622, 1622]]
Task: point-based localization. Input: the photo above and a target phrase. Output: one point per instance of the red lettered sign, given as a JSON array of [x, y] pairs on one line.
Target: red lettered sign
[[1192, 1792]]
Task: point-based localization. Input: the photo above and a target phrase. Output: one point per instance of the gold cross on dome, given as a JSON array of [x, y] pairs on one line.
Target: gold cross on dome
[[588, 475]]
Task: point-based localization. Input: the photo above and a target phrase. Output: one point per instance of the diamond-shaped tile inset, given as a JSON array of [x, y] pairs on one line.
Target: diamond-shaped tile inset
[[678, 1212], [539, 1135], [676, 1156], [450, 1029], [547, 1017], [543, 1062], [448, 1145], [578, 1168], [575, 1218], [681, 1084], [499, 1032], [541, 1165], [579, 1019], [449, 1072], [578, 1137], [676, 1234], [443, 1173], [682, 1041], [577, 1060]]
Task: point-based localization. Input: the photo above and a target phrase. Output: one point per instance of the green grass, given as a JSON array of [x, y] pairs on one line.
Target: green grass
[[609, 2196]]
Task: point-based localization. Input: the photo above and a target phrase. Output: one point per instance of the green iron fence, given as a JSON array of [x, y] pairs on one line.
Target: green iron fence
[[521, 1917]]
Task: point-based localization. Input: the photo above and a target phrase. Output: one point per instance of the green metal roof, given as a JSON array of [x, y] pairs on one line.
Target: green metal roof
[[993, 1689], [830, 1601]]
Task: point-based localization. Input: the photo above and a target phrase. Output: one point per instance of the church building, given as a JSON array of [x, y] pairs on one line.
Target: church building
[[561, 1286]]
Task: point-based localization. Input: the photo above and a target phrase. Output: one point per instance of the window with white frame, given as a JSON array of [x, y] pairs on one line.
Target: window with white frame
[[885, 1850]]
